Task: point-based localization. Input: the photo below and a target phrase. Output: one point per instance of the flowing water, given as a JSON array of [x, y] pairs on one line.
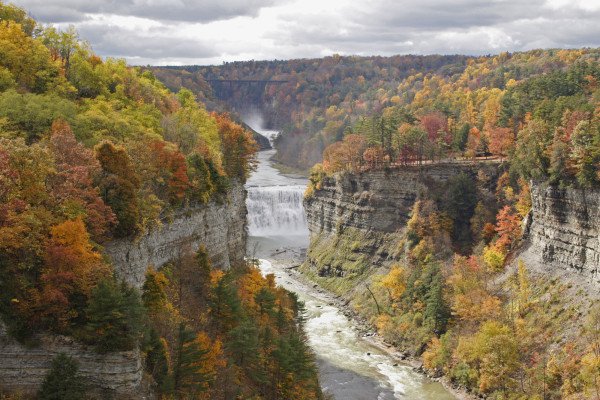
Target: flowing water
[[350, 367]]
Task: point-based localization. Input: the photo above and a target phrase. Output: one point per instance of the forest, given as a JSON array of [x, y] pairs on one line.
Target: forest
[[92, 150], [326, 99], [457, 297]]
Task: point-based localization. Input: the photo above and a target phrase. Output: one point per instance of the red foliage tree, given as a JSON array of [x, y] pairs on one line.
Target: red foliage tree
[[501, 140], [508, 227], [436, 126], [72, 185]]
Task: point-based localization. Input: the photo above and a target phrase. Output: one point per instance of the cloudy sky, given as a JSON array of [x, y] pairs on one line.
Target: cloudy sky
[[174, 32]]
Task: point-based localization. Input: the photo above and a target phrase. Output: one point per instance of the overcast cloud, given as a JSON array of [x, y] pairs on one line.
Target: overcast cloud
[[162, 32]]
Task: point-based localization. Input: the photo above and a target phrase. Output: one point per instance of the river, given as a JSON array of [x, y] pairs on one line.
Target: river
[[350, 368]]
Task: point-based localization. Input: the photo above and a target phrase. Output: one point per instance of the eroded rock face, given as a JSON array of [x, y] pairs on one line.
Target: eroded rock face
[[375, 200], [220, 227], [24, 369], [358, 218], [564, 232]]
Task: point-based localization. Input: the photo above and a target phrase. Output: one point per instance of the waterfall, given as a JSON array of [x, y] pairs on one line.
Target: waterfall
[[276, 210]]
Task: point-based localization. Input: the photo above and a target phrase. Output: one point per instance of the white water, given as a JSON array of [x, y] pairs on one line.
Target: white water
[[275, 210], [350, 368], [275, 201]]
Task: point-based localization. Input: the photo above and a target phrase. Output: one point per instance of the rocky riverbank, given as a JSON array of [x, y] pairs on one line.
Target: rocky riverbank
[[287, 261]]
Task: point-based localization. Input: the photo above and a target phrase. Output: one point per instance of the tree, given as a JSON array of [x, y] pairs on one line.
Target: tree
[[63, 381], [26, 58], [118, 184], [459, 203], [71, 270], [238, 148], [30, 116], [530, 158], [395, 283], [243, 342], [201, 186], [154, 296], [494, 352], [501, 141], [224, 305], [188, 375], [10, 12], [585, 153], [508, 227], [72, 185], [114, 317], [157, 362], [437, 312]]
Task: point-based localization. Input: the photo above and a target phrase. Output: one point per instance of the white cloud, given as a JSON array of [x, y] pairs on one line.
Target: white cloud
[[212, 31]]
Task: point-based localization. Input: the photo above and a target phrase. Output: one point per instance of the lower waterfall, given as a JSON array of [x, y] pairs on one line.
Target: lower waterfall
[[276, 210]]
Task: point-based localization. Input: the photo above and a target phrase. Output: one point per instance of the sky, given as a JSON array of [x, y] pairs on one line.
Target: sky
[[185, 32]]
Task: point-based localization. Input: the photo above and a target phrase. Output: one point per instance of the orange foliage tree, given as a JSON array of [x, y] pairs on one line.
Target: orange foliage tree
[[71, 269], [238, 147]]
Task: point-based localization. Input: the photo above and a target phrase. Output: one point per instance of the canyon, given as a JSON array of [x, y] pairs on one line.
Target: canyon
[[357, 221]]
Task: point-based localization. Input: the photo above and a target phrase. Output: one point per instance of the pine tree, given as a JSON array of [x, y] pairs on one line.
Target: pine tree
[[188, 376], [243, 343], [225, 306], [157, 361], [62, 381], [113, 317]]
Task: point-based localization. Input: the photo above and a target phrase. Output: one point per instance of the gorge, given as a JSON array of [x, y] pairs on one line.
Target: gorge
[[350, 367]]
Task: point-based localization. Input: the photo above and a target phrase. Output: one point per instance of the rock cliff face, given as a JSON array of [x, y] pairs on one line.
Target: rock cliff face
[[563, 232], [353, 219], [109, 375], [220, 227]]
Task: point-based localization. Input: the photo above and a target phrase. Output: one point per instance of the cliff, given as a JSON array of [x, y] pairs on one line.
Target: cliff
[[562, 236], [110, 375], [354, 218], [220, 227]]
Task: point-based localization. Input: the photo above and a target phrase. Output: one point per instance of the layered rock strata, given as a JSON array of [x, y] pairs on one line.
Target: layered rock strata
[[563, 232], [220, 227]]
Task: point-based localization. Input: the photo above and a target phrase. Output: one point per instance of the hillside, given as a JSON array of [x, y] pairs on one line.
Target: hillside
[[115, 193], [326, 98]]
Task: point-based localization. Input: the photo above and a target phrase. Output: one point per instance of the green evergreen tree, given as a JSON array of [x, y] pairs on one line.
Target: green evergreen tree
[[157, 362], [63, 381], [243, 343], [188, 378], [437, 312], [114, 317], [225, 306]]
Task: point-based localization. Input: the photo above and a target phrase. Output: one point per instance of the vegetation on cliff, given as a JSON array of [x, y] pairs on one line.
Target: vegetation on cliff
[[92, 150], [448, 296], [224, 335], [411, 108]]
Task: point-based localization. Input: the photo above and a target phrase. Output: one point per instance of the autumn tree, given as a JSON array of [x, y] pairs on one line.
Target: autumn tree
[[118, 186], [72, 185], [238, 148], [72, 268], [494, 353]]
